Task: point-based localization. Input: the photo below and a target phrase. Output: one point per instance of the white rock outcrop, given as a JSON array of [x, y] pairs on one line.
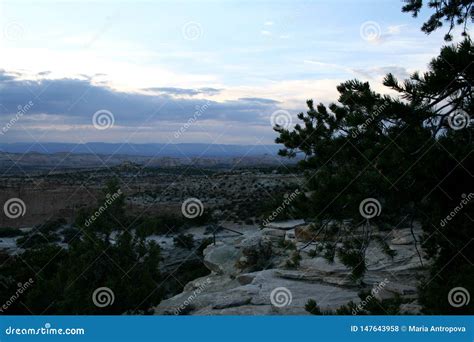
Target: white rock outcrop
[[230, 291]]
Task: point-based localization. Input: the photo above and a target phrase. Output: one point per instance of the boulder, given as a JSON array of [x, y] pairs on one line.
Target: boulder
[[404, 236], [259, 297], [248, 241], [227, 291], [221, 258], [273, 235], [305, 233], [290, 235], [285, 225], [245, 279]]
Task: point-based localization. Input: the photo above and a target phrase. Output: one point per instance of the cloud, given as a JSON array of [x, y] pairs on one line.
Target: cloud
[[259, 100], [380, 72], [183, 91], [374, 73], [5, 76], [395, 29], [71, 101], [265, 33], [390, 33]]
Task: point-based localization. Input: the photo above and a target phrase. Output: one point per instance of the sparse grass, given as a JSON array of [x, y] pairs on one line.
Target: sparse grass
[[294, 260]]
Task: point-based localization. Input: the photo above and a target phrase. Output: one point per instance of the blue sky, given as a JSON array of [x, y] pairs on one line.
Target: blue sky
[[214, 71]]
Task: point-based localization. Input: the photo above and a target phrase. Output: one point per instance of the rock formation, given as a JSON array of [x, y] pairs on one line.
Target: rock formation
[[279, 289]]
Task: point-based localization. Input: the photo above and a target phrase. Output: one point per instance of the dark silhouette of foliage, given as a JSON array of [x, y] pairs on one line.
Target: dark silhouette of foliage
[[312, 307], [184, 241], [407, 153], [452, 12], [65, 279]]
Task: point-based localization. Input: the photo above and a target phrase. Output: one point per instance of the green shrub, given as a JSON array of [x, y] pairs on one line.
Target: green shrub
[[312, 307], [70, 234], [36, 240], [51, 225], [257, 258], [285, 244], [10, 232], [184, 241]]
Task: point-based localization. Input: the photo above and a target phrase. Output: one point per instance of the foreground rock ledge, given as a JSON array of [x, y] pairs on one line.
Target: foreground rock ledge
[[229, 291]]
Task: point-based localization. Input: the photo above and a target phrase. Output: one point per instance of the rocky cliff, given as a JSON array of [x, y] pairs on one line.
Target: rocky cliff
[[260, 273]]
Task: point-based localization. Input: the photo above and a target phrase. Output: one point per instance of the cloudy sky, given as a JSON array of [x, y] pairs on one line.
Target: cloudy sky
[[190, 71]]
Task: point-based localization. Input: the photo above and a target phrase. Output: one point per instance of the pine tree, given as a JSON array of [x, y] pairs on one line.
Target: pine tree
[[413, 153]]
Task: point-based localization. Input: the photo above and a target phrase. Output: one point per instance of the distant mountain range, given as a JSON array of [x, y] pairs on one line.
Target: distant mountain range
[[21, 157], [145, 150]]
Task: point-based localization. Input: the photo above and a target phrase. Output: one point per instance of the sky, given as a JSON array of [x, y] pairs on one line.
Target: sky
[[191, 71]]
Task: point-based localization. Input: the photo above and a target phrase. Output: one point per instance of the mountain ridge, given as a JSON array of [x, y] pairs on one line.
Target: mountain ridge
[[183, 150]]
